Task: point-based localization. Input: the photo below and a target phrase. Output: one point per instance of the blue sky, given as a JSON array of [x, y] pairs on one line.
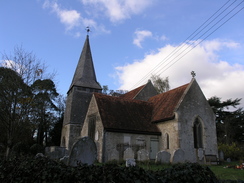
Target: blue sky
[[130, 38]]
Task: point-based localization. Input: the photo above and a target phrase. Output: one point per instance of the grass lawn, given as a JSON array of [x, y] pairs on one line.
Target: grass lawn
[[219, 170], [227, 173]]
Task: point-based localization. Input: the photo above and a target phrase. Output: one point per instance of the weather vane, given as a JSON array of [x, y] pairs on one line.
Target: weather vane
[[193, 74], [88, 30]]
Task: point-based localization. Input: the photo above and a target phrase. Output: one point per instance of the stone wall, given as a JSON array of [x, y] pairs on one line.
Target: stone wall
[[195, 106], [171, 128], [119, 143], [98, 139]]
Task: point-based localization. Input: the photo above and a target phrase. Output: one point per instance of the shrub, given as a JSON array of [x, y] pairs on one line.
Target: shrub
[[231, 151], [42, 169], [36, 148]]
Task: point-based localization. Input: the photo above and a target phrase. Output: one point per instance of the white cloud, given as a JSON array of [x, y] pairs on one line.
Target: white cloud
[[216, 77], [118, 10], [72, 18], [140, 35]]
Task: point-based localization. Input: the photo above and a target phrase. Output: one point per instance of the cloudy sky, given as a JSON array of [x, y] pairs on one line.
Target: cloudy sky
[[133, 39]]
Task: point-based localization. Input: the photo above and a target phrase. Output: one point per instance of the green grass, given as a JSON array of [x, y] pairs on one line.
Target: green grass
[[227, 173], [219, 170]]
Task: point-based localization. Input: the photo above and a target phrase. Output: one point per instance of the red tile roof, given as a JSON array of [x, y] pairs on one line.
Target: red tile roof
[[164, 104], [125, 115], [132, 94]]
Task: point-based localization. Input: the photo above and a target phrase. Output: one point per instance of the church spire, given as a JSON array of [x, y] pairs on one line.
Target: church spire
[[85, 73]]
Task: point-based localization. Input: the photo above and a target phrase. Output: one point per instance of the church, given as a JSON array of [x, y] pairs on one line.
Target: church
[[140, 124]]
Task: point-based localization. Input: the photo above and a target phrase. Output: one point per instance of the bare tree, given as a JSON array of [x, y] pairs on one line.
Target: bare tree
[[26, 64], [160, 84]]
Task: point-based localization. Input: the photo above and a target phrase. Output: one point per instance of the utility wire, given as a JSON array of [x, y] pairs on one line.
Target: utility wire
[[193, 44]]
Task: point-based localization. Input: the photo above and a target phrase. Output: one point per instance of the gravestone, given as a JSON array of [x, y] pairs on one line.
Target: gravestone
[[221, 156], [163, 157], [130, 162], [178, 156], [200, 154], [113, 155], [228, 160], [83, 151], [129, 154], [64, 160], [142, 155], [55, 152]]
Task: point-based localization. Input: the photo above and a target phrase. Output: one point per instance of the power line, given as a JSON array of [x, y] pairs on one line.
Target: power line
[[193, 44]]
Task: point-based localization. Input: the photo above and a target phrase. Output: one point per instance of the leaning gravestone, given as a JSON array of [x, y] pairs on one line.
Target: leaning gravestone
[[84, 151], [163, 157], [178, 156]]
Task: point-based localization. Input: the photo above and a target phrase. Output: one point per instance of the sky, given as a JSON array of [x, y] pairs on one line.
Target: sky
[[131, 40]]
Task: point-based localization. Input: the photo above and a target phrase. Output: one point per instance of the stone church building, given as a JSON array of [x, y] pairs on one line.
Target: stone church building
[[140, 124]]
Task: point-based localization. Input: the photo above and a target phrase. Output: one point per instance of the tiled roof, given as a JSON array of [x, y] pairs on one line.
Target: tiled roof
[[132, 94], [125, 115], [164, 104]]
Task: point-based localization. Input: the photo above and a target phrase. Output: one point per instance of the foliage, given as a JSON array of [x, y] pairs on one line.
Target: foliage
[[36, 148], [42, 169], [229, 122], [27, 100], [160, 84], [116, 93], [231, 151]]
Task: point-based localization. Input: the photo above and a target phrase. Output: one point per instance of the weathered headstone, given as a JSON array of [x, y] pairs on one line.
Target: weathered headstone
[[55, 152], [129, 154], [228, 160], [221, 156], [178, 156], [142, 155], [163, 157], [113, 155], [200, 154], [83, 151], [130, 162]]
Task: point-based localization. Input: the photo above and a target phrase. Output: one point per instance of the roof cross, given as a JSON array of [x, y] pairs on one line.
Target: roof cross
[[193, 74], [88, 30]]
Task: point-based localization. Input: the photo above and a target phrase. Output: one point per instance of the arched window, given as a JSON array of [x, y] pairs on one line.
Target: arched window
[[198, 134], [167, 140], [92, 127]]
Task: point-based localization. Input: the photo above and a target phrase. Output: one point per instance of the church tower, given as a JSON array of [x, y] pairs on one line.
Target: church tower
[[84, 83]]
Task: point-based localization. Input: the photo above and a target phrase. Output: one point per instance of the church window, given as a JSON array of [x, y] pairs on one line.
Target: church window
[[167, 140], [198, 134], [92, 127]]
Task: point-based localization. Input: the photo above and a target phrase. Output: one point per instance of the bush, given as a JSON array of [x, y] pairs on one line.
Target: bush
[[187, 173], [231, 151], [20, 148], [42, 169], [36, 148]]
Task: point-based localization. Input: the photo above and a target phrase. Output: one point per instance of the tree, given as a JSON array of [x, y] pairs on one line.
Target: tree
[[160, 84], [14, 107], [44, 108], [30, 72], [229, 123], [26, 64]]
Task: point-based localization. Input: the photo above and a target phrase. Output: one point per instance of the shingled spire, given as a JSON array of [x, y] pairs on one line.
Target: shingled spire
[[84, 83], [85, 74]]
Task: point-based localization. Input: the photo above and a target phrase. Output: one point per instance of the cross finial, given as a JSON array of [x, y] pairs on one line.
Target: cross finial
[[193, 74], [88, 30]]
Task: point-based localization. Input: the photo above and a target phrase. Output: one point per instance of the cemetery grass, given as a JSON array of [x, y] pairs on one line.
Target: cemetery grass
[[220, 172], [227, 173]]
